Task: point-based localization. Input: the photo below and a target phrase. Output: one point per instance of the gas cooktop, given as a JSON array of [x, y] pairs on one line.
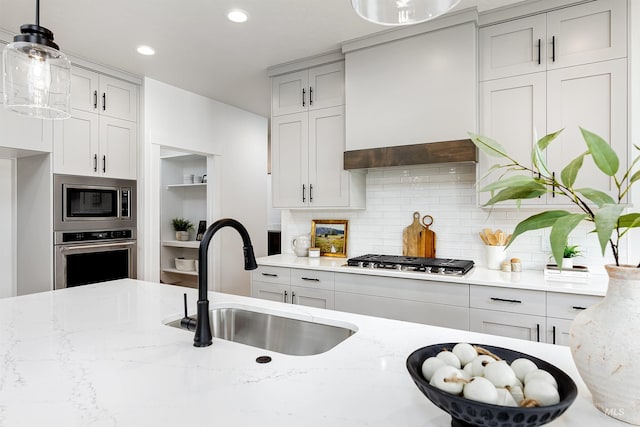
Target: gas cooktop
[[410, 263]]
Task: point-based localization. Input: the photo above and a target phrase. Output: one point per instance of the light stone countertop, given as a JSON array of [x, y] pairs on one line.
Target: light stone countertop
[[100, 355], [595, 285]]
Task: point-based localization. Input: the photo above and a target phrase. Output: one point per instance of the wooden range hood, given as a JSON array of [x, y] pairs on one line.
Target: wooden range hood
[[463, 150]]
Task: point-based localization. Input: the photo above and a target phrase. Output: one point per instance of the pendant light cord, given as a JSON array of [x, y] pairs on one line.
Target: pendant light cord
[[38, 13]]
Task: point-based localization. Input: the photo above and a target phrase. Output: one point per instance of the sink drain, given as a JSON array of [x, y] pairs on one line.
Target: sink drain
[[263, 359]]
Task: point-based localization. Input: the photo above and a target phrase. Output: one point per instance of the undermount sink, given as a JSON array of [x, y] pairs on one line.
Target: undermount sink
[[272, 332]]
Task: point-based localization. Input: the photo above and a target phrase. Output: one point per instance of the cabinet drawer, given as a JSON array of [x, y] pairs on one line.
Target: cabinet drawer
[[567, 306], [511, 300], [312, 279], [268, 274], [409, 289]]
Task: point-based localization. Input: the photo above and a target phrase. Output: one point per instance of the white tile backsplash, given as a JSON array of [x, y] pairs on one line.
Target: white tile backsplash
[[447, 193]]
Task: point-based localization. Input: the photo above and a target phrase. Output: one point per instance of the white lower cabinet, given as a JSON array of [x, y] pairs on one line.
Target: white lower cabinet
[[513, 325], [310, 288], [434, 303], [561, 310]]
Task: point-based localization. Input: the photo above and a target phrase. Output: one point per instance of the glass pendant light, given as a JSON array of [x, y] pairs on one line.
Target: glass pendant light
[[401, 12], [36, 75]]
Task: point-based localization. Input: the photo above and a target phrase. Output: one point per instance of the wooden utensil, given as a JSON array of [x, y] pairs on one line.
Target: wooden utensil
[[412, 244], [428, 237]]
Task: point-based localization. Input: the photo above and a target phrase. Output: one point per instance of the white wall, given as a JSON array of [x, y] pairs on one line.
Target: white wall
[[7, 228], [446, 192], [176, 118]]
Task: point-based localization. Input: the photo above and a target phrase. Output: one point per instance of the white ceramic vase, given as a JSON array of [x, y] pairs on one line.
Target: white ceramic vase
[[605, 346], [567, 262]]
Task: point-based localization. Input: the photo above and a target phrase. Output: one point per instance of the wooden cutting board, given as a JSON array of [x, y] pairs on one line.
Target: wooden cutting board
[[428, 238], [412, 243]]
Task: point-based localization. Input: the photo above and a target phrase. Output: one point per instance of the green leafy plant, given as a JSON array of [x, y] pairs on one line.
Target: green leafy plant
[[181, 224], [571, 251], [596, 207]]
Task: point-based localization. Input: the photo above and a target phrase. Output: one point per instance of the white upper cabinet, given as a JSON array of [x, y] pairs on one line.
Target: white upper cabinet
[[512, 112], [318, 87], [591, 32], [413, 90], [98, 93], [592, 96], [100, 138]]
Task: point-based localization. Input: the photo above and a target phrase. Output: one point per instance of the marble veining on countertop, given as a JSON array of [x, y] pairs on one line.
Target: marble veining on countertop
[[596, 284], [101, 355]]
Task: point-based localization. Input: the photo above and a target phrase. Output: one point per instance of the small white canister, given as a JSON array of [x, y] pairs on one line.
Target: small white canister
[[314, 252]]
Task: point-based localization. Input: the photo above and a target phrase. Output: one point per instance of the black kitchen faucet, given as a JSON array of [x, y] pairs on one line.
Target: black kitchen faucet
[[203, 336]]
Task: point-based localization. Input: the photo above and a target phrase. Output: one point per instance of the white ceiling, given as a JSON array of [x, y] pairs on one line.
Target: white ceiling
[[197, 49]]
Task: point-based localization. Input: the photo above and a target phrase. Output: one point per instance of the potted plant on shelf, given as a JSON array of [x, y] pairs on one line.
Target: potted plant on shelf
[[182, 227], [604, 340], [568, 254]]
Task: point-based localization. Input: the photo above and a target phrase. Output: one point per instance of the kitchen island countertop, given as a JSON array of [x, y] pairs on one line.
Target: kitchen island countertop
[[100, 355], [596, 284]]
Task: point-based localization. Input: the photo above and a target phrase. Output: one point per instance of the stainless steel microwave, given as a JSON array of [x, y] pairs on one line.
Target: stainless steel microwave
[[93, 203]]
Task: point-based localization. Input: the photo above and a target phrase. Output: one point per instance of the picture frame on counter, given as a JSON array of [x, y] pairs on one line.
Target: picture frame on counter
[[202, 227], [330, 235]]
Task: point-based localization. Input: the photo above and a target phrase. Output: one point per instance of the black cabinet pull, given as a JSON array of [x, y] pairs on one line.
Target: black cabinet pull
[[304, 193], [310, 279], [104, 164], [553, 49], [554, 334], [95, 163], [310, 95], [95, 99], [506, 300], [269, 274], [104, 101], [539, 51], [538, 331], [293, 295], [310, 193], [304, 98], [285, 297], [577, 307]]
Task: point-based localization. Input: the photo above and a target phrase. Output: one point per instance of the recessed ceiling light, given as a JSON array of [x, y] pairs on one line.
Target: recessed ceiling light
[[237, 15], [146, 50]]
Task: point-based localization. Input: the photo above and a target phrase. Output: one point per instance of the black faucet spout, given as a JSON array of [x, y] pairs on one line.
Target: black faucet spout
[[203, 336]]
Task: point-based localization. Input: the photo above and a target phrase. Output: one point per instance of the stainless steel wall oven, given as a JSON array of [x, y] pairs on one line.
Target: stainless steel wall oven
[[94, 230]]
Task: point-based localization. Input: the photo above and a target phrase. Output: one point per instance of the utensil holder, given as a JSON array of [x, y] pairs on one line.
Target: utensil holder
[[495, 256]]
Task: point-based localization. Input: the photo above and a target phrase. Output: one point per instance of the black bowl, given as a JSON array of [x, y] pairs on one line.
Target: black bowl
[[465, 412]]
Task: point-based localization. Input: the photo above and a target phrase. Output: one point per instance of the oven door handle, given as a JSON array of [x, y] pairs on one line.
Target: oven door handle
[[106, 245]]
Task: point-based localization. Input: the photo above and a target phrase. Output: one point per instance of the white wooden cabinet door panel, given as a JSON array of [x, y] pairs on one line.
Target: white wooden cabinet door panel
[[326, 86], [401, 309], [319, 298], [591, 32], [270, 291], [328, 181], [592, 96], [268, 274], [567, 306], [558, 331], [287, 95], [119, 99], [512, 113], [522, 301], [84, 90], [313, 279], [289, 157], [118, 148], [513, 48], [513, 325], [75, 141]]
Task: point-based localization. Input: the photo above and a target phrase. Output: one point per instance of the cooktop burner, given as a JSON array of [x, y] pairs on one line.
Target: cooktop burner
[[409, 263]]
